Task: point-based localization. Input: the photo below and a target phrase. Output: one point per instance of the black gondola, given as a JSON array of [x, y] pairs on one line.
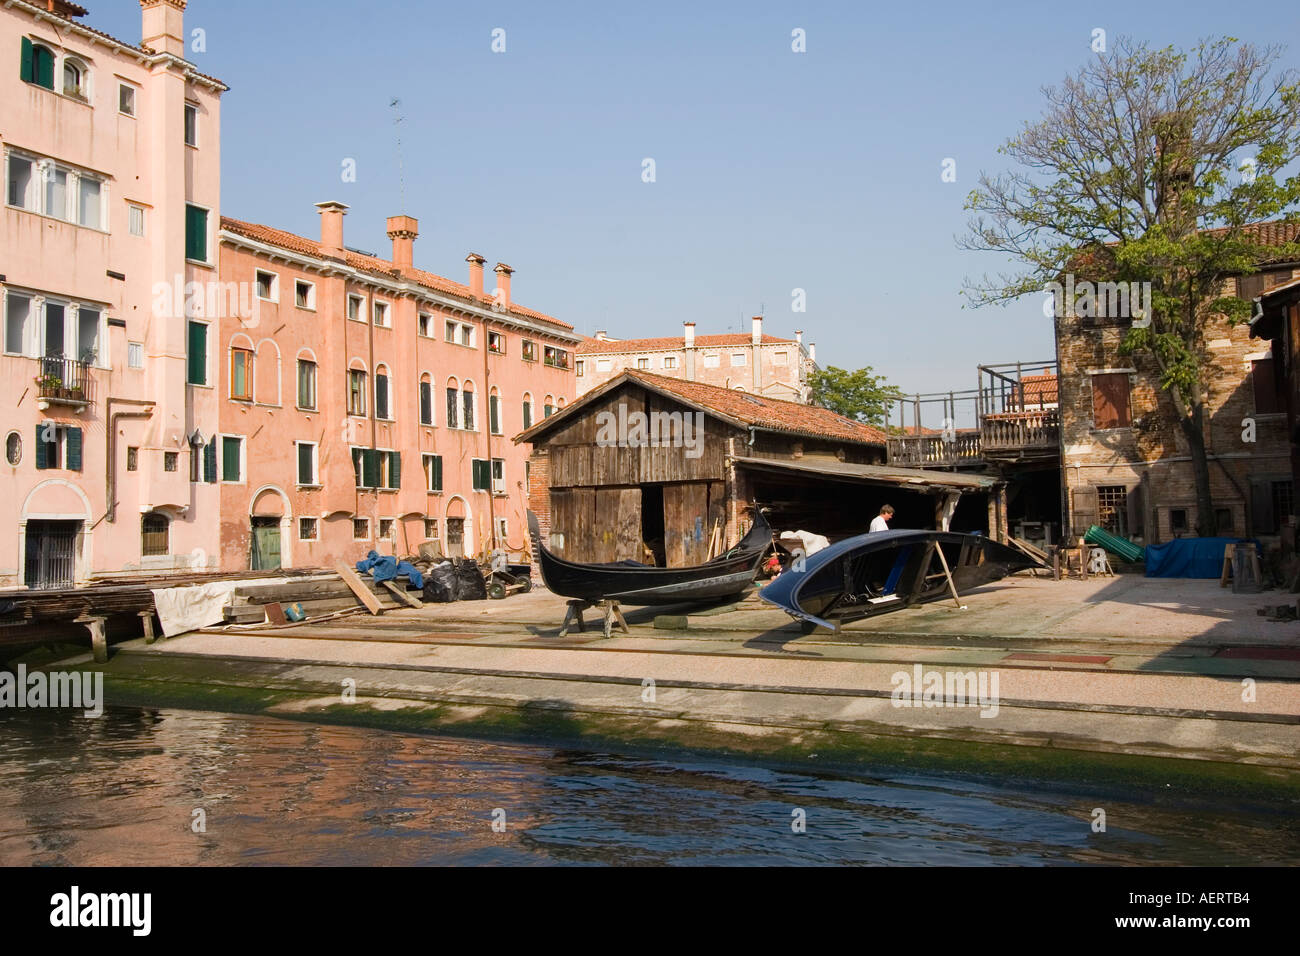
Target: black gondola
[[877, 573], [631, 582]]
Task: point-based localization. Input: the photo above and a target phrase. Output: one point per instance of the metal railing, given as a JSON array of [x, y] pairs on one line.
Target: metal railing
[[64, 380]]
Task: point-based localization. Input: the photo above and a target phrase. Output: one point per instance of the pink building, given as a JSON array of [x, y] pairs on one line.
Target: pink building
[[112, 195], [367, 403], [757, 363]]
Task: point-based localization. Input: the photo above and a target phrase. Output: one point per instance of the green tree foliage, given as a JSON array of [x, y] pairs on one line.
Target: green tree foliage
[[1151, 166], [858, 395]]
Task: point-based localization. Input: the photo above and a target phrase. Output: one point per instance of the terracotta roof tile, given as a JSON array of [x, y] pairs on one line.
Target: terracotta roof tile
[[669, 343], [373, 265]]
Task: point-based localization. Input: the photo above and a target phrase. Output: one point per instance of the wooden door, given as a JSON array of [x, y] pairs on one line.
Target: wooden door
[[686, 512]]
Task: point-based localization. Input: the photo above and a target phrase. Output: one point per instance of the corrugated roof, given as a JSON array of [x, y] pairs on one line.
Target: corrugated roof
[[744, 409], [667, 343], [376, 266]]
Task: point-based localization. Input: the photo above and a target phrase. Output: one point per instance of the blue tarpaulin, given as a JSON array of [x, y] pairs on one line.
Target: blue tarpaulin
[[385, 568], [1188, 557]]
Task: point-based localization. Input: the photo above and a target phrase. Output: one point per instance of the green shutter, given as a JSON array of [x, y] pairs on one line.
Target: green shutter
[[196, 234], [381, 396], [482, 474], [43, 447], [426, 403], [230, 459], [435, 473], [494, 413], [26, 71], [528, 416], [44, 70], [305, 476], [197, 361], [394, 469], [369, 468], [73, 438], [210, 461]]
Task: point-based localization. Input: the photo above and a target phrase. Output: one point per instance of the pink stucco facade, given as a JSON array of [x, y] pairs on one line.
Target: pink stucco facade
[[100, 183], [333, 356]]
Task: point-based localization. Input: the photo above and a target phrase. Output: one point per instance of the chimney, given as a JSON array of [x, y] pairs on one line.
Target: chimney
[[475, 274], [812, 352], [689, 330], [601, 335], [798, 337], [331, 228], [403, 230], [163, 26], [757, 335], [504, 272]]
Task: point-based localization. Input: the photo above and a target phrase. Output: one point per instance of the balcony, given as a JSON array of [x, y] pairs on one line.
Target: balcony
[[1028, 434], [63, 382], [935, 451]]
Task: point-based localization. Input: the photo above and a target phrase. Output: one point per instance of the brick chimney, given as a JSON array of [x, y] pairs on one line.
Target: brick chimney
[[689, 329], [475, 273], [331, 228], [504, 272], [757, 334], [163, 26], [403, 230]]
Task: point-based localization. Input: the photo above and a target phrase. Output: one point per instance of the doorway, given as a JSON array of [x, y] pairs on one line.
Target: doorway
[[264, 544], [51, 559], [652, 521], [455, 537]]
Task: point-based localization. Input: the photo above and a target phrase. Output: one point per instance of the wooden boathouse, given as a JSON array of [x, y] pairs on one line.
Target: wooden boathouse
[[608, 486]]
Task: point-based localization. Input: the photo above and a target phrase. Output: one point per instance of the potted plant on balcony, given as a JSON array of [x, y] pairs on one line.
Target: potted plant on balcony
[[48, 383]]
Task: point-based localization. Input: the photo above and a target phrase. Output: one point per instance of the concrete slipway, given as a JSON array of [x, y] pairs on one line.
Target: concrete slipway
[[1123, 679]]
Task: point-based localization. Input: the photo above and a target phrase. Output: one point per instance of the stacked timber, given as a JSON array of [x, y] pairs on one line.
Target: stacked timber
[[319, 595]]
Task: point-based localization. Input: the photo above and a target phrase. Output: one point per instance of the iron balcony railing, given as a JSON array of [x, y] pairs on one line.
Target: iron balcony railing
[[64, 380]]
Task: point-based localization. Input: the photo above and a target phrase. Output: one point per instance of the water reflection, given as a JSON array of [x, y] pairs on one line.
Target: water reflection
[[124, 790]]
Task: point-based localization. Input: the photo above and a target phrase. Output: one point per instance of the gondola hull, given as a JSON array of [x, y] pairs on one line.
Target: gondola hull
[[631, 583], [873, 574]]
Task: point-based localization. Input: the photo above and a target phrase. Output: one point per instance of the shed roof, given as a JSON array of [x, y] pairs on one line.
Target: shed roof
[[916, 479]]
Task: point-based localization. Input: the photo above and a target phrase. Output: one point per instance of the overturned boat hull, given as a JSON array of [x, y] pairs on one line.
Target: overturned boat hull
[[878, 573], [629, 582]]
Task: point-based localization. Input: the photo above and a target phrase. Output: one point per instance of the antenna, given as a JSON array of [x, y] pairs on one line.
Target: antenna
[[396, 106]]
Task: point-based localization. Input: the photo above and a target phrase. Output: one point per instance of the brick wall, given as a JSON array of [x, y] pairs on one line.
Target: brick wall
[[539, 489]]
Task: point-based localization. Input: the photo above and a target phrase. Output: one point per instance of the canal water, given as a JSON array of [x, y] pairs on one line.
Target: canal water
[[181, 787]]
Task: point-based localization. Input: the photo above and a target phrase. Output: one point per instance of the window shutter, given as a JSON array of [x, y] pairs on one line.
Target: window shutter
[[44, 67], [437, 472], [305, 477], [196, 234], [198, 354], [451, 408], [381, 396], [43, 448], [1110, 408], [26, 71], [74, 448], [1084, 514], [1265, 387], [494, 413], [1261, 507], [356, 465], [370, 467], [1136, 512], [426, 403], [210, 462], [528, 416], [394, 469]]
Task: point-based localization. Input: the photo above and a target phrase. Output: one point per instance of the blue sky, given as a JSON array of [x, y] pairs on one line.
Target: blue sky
[[774, 170]]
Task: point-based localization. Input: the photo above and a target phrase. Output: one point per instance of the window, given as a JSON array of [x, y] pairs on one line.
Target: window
[[497, 343], [232, 455], [386, 526], [481, 472], [241, 374], [503, 526], [360, 529], [191, 125], [467, 336], [548, 407], [196, 234], [581, 368], [154, 534], [1282, 502], [1267, 399], [37, 64], [265, 284], [126, 99], [529, 350], [308, 529], [1112, 507], [135, 355], [58, 446], [712, 360], [555, 357], [780, 358], [381, 393], [737, 359], [135, 219], [494, 414], [467, 403], [458, 333], [604, 365], [1110, 407], [51, 328], [69, 194], [643, 363], [13, 448], [356, 392], [171, 460], [356, 307], [432, 475], [426, 403], [132, 458], [1223, 519], [376, 468], [381, 315], [453, 406], [431, 529], [426, 325], [1178, 520], [196, 360], [21, 183], [306, 462], [304, 294], [528, 412], [196, 461], [89, 203], [306, 384], [670, 361], [74, 79], [498, 476]]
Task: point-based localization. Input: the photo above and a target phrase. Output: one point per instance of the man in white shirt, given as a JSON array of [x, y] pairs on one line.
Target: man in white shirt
[[881, 521]]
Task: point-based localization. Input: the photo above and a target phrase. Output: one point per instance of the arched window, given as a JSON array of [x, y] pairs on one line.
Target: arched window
[[560, 403], [453, 403], [528, 410], [241, 368], [467, 407], [548, 407], [37, 64], [356, 391], [74, 78], [494, 411], [426, 399], [154, 534], [383, 405]]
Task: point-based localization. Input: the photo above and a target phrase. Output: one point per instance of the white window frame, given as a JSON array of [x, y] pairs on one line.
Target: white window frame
[[392, 529], [34, 347], [315, 464], [191, 108], [362, 303], [275, 285], [315, 536], [42, 168], [503, 529], [355, 519], [87, 91], [670, 361], [131, 209], [738, 360], [311, 295], [501, 338], [498, 484], [424, 325], [135, 98], [132, 349], [391, 414], [208, 245], [221, 459], [428, 473], [381, 307], [711, 360]]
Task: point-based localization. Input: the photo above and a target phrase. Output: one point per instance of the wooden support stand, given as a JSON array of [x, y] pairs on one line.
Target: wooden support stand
[[146, 620], [98, 637], [613, 617]]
